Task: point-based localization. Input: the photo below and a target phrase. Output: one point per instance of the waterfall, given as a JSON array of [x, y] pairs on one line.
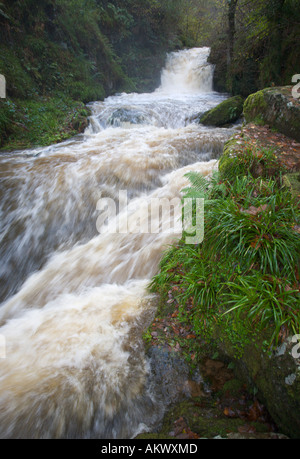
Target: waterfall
[[188, 71]]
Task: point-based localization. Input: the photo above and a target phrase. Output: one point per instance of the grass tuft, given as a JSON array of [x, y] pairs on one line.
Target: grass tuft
[[244, 276]]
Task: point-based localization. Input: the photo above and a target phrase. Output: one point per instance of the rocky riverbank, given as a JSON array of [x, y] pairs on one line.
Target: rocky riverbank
[[40, 122], [207, 398]]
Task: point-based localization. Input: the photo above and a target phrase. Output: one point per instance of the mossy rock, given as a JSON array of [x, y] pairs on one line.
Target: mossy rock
[[226, 112], [228, 157], [254, 108], [203, 417], [240, 158], [275, 107], [233, 386], [275, 377]]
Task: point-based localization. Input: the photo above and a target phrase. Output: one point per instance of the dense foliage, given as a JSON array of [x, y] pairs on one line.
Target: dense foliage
[[244, 277], [84, 50], [256, 44], [77, 50], [87, 48]]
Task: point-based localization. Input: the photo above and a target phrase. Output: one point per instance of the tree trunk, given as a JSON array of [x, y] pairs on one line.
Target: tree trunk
[[232, 4]]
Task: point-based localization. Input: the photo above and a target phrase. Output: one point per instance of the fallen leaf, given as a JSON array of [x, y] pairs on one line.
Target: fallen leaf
[[255, 210], [255, 244], [255, 412], [229, 412]]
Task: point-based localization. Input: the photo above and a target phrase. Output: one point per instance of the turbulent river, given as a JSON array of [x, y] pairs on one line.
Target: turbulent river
[[72, 282]]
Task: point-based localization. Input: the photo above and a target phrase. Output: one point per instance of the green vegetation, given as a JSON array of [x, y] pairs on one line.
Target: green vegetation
[[84, 50], [40, 122], [58, 54], [245, 158], [256, 45], [275, 107], [243, 279], [226, 112]]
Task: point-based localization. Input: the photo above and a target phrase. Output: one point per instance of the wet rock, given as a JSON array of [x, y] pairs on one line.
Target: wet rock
[[171, 376], [79, 121], [125, 115], [226, 112], [203, 417], [193, 389], [210, 403], [253, 396], [275, 107], [275, 377]]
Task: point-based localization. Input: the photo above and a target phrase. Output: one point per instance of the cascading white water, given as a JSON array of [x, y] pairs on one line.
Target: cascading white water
[[75, 301], [188, 71]]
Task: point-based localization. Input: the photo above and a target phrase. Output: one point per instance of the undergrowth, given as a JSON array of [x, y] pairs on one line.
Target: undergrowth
[[243, 279], [40, 122]]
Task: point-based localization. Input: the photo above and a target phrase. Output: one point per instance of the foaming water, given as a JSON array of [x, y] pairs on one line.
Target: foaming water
[[188, 71], [74, 301]]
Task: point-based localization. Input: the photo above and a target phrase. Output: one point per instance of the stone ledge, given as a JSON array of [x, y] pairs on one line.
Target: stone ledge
[[277, 108]]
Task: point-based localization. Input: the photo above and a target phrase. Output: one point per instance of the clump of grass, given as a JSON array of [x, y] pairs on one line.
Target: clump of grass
[[265, 300], [244, 276], [253, 225]]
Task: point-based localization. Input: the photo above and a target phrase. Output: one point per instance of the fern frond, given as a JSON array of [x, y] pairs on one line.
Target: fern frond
[[198, 188]]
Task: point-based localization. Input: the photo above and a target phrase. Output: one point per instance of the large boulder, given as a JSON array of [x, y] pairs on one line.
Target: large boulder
[[275, 107], [227, 112], [275, 375]]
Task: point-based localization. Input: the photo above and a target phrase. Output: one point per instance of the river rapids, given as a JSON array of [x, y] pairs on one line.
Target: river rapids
[[73, 284]]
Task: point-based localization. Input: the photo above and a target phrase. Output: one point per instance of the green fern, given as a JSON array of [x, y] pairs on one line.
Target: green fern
[[199, 186]]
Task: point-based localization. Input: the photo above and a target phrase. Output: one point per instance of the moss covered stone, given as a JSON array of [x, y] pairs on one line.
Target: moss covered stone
[[275, 376], [227, 112], [275, 107], [228, 157], [203, 417], [255, 104]]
